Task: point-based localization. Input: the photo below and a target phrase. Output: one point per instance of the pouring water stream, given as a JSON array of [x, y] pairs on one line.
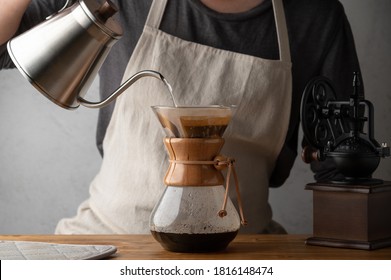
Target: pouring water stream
[[170, 91]]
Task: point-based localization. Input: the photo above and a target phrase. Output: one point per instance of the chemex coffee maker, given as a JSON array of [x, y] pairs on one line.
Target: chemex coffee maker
[[353, 211], [195, 213]]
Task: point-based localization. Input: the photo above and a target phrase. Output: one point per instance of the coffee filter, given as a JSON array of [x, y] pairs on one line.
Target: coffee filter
[[194, 121]]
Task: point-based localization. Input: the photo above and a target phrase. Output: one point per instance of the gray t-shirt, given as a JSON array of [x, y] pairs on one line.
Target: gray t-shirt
[[321, 43]]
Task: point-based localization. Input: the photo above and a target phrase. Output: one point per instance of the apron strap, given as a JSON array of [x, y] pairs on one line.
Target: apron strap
[[282, 31], [158, 6], [156, 13]]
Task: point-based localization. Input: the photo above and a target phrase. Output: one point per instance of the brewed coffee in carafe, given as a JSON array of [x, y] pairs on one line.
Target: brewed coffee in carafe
[[195, 214]]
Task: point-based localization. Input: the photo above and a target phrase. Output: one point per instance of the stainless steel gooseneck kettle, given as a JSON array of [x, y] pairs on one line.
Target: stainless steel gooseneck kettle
[[62, 56]]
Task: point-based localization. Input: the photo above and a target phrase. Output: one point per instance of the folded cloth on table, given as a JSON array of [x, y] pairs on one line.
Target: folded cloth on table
[[26, 250]]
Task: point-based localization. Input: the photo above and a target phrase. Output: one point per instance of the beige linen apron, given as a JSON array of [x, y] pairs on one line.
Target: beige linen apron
[[130, 181]]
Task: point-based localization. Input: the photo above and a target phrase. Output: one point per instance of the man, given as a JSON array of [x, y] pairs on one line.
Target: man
[[255, 54]]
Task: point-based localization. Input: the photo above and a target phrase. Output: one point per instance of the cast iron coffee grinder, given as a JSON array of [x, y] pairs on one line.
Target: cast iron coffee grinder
[[353, 211], [195, 214]]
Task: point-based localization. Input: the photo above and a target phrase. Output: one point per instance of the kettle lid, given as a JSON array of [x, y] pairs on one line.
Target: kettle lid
[[101, 12]]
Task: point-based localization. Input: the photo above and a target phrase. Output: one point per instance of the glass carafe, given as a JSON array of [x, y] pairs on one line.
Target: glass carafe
[[194, 213]]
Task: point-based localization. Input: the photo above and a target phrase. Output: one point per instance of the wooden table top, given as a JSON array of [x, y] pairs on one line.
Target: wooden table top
[[244, 247]]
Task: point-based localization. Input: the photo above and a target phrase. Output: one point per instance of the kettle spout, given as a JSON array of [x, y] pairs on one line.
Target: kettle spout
[[125, 86]]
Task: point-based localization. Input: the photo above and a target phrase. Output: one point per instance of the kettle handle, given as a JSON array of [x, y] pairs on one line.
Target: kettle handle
[[122, 88], [67, 4]]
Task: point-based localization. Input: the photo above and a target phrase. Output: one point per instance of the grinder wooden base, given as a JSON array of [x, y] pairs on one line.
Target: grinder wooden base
[[351, 216]]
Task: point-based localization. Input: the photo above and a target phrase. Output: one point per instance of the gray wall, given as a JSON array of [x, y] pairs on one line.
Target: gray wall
[[48, 155]]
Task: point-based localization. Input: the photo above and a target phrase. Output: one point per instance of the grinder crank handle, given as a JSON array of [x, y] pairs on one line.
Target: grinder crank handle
[[309, 154]]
